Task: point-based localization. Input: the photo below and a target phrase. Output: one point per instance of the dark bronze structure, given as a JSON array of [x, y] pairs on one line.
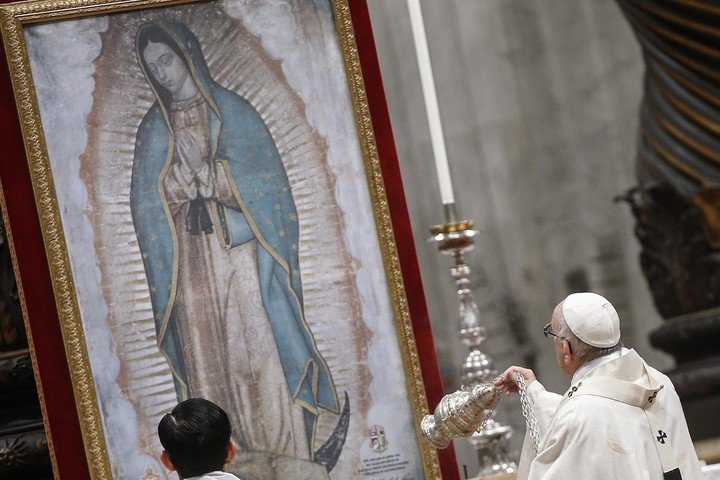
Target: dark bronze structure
[[677, 200], [23, 445]]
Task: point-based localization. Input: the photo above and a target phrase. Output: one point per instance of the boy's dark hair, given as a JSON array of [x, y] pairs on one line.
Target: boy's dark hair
[[196, 436]]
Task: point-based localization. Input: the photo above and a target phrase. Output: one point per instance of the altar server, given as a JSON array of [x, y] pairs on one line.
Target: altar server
[[620, 418]]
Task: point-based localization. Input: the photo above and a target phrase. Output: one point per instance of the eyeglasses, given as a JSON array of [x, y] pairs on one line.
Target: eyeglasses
[[548, 333]]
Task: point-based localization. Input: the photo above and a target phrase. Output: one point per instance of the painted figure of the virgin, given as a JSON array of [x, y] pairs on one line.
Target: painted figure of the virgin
[[218, 231]]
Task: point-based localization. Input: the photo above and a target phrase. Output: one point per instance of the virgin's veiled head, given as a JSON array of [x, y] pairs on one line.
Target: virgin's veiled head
[[171, 58]]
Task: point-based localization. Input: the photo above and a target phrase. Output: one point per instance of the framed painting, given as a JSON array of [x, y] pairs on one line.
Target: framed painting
[[203, 200]]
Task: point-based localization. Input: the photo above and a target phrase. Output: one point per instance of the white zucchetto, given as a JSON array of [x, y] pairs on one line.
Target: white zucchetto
[[592, 319]]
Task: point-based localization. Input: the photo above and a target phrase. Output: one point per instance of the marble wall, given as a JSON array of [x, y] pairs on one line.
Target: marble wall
[[539, 103]]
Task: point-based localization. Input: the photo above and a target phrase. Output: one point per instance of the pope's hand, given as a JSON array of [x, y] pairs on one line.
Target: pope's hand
[[507, 382]]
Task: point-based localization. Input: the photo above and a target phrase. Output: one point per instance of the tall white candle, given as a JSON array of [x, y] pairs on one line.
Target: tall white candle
[[431, 103]]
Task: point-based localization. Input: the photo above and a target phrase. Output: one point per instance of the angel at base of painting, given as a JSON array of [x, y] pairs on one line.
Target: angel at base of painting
[[218, 231]]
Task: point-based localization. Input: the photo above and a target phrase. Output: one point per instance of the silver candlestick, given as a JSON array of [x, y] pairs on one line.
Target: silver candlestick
[[456, 238]]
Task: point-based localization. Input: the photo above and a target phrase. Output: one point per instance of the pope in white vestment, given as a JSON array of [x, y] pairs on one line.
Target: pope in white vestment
[[620, 419]]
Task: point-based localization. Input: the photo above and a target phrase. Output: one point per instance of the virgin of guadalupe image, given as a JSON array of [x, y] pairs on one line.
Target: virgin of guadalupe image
[[218, 232]]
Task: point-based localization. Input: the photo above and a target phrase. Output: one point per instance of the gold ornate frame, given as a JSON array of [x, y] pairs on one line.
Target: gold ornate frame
[[13, 18]]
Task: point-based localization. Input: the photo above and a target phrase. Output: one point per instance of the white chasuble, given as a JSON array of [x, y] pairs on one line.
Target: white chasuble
[[622, 421]]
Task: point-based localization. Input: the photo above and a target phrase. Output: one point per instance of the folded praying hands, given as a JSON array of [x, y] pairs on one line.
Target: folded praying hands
[[191, 152]]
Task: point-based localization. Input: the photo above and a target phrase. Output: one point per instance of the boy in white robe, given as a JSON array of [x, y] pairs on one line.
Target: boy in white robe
[[620, 419], [196, 439]]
